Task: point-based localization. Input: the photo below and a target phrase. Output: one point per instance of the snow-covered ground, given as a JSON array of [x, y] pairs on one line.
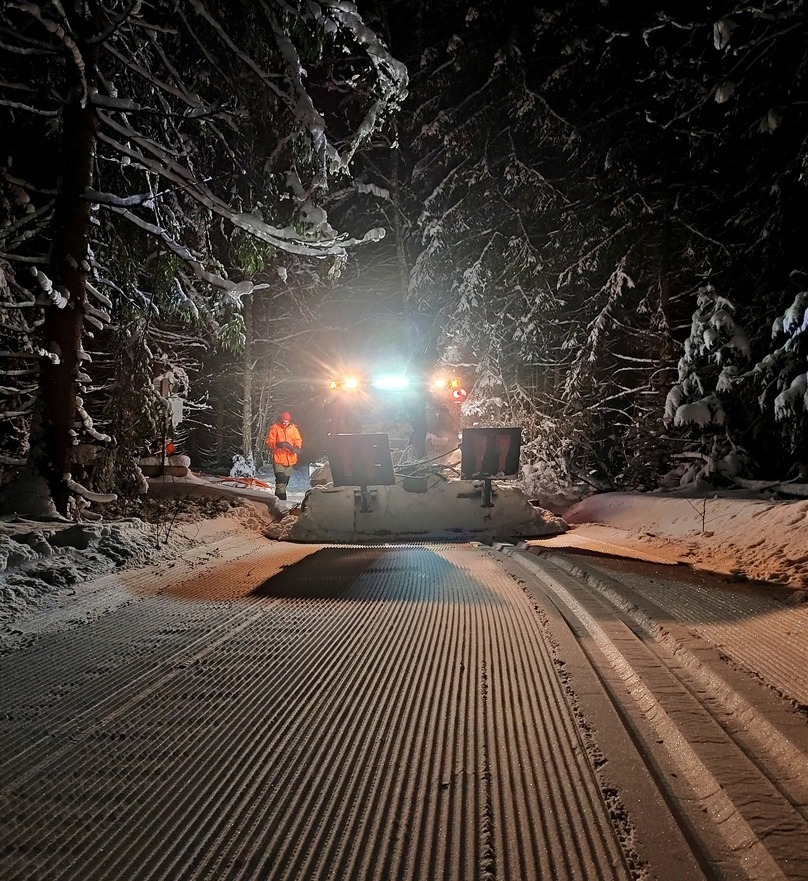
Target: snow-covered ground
[[43, 564], [733, 532]]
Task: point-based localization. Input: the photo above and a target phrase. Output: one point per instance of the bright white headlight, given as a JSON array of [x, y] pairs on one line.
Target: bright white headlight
[[391, 382]]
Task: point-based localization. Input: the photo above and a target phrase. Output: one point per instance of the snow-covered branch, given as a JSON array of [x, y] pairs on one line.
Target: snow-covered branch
[[119, 201], [29, 108], [88, 494], [55, 28], [286, 239], [185, 254]]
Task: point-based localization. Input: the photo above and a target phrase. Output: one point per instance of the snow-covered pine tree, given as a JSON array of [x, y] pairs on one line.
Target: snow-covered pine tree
[[667, 149], [702, 401], [782, 376], [535, 245], [730, 85]]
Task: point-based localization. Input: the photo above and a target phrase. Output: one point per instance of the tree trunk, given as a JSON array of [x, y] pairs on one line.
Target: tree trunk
[[664, 370], [221, 409], [52, 451], [247, 389], [264, 356], [401, 255]]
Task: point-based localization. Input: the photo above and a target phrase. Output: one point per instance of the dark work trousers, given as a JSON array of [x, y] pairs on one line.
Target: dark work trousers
[[282, 475]]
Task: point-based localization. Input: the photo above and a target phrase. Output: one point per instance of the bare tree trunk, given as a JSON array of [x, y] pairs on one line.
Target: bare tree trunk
[[52, 453], [401, 256], [264, 357], [247, 389], [665, 372], [221, 407]]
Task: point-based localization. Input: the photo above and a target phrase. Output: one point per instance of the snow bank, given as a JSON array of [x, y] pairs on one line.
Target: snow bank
[[231, 487], [46, 566], [39, 560], [763, 540]]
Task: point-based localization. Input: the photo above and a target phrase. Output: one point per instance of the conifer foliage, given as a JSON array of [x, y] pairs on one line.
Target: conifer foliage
[[140, 142], [607, 210], [598, 207]]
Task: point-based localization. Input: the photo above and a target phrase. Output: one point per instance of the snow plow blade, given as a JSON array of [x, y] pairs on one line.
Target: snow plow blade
[[422, 510]]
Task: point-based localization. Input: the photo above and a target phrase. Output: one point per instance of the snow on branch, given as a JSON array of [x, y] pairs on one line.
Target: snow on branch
[[191, 99], [186, 255], [56, 297], [23, 410], [100, 198], [565, 276], [99, 318], [59, 32], [102, 298], [707, 411], [38, 111], [88, 494], [87, 422], [264, 76], [163, 165], [126, 15], [394, 72], [303, 108], [795, 319], [793, 399], [111, 103], [41, 214], [614, 287], [393, 76], [373, 190]]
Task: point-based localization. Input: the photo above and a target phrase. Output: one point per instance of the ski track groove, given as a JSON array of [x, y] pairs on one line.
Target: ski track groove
[[118, 683], [378, 792], [566, 780], [335, 789], [708, 611], [88, 756], [383, 792], [45, 687], [786, 765], [408, 727], [235, 791], [301, 721], [756, 818], [554, 763]]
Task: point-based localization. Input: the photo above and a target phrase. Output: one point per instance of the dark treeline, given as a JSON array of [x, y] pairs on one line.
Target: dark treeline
[[592, 213], [600, 207], [164, 166]]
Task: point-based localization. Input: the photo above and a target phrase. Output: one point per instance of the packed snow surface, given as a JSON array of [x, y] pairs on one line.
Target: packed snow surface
[[47, 564]]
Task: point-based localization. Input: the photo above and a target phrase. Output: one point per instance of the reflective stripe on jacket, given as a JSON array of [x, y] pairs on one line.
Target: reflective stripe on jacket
[[291, 435]]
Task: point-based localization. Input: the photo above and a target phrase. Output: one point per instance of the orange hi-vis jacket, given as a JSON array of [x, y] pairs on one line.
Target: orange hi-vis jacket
[[290, 434]]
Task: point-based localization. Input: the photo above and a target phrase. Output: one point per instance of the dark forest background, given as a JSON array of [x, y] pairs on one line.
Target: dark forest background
[[592, 213]]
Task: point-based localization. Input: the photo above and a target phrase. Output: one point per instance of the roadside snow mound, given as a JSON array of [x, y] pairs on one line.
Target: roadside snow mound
[[761, 539], [235, 488], [42, 565], [38, 559]]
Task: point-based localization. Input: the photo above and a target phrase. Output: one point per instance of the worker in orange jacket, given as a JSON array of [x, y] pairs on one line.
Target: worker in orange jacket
[[285, 442]]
